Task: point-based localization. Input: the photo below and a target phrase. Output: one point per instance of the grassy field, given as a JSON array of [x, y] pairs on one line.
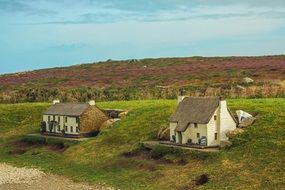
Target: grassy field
[[115, 157]]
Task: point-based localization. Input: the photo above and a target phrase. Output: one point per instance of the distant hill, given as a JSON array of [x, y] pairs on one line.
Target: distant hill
[[149, 78]]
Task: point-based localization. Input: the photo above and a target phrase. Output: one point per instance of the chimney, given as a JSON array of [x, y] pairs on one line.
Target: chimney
[[180, 98], [92, 103], [181, 95], [55, 101]]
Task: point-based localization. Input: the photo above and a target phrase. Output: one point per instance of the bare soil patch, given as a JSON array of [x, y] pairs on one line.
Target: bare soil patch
[[13, 178]]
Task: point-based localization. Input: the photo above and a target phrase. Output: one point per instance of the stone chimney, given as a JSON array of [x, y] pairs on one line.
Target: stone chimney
[[55, 101], [92, 102]]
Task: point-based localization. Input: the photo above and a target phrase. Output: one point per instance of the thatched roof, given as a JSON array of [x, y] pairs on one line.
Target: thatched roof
[[194, 110], [68, 109]]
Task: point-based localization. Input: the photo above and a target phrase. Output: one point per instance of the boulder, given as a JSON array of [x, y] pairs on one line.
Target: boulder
[[114, 114], [239, 87], [247, 122], [232, 134], [163, 134], [123, 114], [109, 123], [247, 80], [160, 131], [225, 144], [242, 115]]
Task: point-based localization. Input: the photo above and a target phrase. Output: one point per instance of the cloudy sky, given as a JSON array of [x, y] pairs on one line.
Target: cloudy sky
[[48, 33]]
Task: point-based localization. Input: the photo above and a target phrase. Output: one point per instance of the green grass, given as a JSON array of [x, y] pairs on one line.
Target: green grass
[[255, 161]]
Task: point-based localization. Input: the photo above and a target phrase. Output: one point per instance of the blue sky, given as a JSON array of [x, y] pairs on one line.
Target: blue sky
[[50, 33]]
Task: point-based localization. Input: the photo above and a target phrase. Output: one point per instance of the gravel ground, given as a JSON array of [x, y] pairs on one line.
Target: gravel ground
[[12, 178]]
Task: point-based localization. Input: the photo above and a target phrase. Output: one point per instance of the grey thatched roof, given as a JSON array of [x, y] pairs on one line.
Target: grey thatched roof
[[194, 110], [69, 109]]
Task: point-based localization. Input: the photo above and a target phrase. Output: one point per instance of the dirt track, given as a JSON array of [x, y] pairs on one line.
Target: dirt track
[[12, 178]]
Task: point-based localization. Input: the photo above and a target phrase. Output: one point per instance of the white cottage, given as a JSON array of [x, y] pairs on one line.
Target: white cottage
[[72, 119], [201, 120]]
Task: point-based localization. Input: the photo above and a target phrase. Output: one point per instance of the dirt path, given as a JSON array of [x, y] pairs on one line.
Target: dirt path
[[12, 178]]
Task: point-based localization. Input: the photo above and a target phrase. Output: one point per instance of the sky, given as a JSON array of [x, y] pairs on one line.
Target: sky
[[38, 34]]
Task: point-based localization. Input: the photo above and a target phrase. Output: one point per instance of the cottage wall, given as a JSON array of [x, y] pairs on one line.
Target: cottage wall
[[71, 122], [212, 129], [227, 123], [191, 133], [172, 127]]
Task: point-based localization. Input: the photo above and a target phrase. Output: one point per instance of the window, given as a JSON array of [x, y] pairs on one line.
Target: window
[[65, 128], [216, 136], [48, 118], [58, 119], [53, 118], [195, 125], [77, 119], [65, 119], [198, 135], [71, 129], [77, 129], [215, 117]]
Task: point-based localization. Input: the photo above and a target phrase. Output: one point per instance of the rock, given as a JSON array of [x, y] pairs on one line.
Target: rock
[[123, 114], [247, 122], [232, 134], [247, 80], [242, 115], [239, 87], [164, 134], [202, 179], [114, 114], [133, 61], [159, 132], [109, 123], [225, 144]]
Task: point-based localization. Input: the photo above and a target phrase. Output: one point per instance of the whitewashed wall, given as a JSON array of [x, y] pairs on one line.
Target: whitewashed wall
[[227, 123], [172, 127], [212, 128], [71, 122]]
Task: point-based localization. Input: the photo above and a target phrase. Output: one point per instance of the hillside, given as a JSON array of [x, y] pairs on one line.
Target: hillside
[[255, 161], [149, 78]]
